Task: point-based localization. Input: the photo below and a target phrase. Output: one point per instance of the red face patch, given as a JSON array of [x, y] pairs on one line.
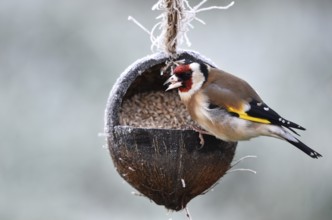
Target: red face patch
[[183, 72], [186, 86], [181, 69]]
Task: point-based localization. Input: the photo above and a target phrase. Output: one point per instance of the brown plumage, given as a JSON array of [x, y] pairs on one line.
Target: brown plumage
[[226, 90], [228, 107]]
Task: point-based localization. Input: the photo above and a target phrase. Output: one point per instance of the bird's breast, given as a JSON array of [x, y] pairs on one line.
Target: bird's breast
[[218, 121], [197, 106]]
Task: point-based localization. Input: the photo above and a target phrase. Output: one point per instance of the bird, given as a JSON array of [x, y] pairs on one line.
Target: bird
[[228, 108]]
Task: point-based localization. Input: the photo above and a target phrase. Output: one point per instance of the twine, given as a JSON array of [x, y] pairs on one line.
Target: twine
[[174, 23], [174, 16]]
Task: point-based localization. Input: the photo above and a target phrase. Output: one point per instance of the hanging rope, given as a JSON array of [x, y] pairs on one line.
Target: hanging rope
[[174, 23], [174, 11]]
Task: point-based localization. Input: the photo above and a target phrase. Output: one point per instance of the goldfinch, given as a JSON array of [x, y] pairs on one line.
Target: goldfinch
[[228, 107]]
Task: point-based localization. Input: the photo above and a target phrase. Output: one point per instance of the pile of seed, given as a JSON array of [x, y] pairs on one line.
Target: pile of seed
[[157, 109]]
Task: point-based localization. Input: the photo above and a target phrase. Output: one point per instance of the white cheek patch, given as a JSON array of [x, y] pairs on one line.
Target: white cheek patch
[[197, 82]]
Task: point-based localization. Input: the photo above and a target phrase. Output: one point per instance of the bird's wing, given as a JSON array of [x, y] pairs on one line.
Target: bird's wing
[[246, 105], [261, 110]]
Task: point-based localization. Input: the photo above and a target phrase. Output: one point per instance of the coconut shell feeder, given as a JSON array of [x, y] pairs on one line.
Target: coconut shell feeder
[[169, 166], [150, 138]]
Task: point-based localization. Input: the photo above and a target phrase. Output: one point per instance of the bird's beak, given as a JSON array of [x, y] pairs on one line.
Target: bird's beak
[[173, 82]]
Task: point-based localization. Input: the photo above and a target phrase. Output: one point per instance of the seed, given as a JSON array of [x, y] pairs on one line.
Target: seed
[[155, 109]]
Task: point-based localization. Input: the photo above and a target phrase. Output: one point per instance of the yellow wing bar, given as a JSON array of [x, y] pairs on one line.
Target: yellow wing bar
[[245, 116]]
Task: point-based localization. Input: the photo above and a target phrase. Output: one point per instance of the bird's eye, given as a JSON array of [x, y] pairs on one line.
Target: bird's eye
[[186, 75]]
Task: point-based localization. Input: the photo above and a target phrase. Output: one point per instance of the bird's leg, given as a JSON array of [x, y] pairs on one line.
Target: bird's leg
[[200, 134], [201, 139]]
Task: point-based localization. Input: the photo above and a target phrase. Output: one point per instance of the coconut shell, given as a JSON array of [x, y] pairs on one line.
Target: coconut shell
[[169, 166]]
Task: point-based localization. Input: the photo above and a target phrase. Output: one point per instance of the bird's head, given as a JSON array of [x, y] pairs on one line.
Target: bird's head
[[188, 77]]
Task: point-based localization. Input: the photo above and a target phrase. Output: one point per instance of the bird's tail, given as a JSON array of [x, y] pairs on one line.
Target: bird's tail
[[280, 132], [304, 148]]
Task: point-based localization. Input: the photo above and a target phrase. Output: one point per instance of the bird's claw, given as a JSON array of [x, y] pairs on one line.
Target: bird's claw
[[201, 140], [200, 135]]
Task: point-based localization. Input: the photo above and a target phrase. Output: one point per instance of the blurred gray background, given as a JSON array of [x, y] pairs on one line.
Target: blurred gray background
[[59, 60]]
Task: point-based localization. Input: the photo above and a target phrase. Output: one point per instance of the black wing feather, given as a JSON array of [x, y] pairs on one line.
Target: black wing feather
[[261, 110]]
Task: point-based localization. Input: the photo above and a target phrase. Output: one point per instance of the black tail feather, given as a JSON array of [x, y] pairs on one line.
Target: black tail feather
[[290, 124], [305, 149], [292, 130]]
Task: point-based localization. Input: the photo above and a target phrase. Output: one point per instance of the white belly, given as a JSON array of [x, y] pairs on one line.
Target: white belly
[[219, 122], [227, 127]]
